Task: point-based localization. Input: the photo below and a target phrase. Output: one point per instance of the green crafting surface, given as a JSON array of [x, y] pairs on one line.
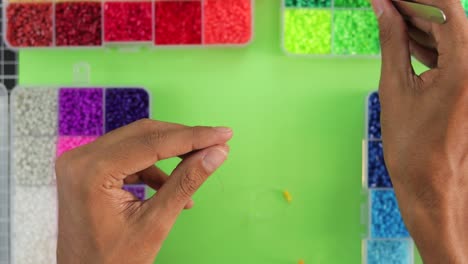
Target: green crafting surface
[[298, 125]]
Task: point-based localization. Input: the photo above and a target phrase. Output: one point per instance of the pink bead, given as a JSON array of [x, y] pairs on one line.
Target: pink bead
[[69, 143]]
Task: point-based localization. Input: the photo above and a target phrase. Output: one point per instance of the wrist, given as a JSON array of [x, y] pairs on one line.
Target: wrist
[[437, 217]]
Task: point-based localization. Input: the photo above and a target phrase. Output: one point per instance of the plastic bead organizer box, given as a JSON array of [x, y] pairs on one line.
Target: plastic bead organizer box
[[388, 240], [45, 123], [98, 23], [331, 27]]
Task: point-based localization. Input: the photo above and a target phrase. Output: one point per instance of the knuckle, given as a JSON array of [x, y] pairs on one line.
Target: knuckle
[[98, 167], [385, 34], [387, 30], [154, 137], [196, 132], [68, 165], [190, 182]]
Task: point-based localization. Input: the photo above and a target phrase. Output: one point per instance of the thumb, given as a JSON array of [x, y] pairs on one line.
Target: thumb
[[185, 180], [394, 41]]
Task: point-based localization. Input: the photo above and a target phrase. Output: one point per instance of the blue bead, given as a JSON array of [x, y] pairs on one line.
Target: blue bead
[[377, 173], [386, 220], [374, 117], [389, 251]]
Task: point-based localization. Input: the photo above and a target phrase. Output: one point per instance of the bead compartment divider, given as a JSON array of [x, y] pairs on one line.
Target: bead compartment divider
[[333, 10], [44, 189], [4, 179], [250, 16], [370, 191]]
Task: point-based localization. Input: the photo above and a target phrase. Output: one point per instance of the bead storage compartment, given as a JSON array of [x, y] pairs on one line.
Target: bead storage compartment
[[101, 23], [4, 195], [45, 123], [388, 240], [329, 27]]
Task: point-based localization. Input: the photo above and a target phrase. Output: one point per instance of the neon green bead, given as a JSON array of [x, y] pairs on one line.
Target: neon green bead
[[355, 33], [307, 31]]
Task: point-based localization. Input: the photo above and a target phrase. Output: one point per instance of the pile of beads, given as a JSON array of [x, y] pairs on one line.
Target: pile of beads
[[329, 27], [139, 190], [386, 221], [47, 122], [97, 23], [389, 251], [389, 240]]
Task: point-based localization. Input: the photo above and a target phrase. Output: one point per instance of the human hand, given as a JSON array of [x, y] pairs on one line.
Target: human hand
[[425, 126], [101, 223]]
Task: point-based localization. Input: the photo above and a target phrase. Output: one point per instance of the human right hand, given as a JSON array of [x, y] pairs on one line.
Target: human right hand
[[425, 126]]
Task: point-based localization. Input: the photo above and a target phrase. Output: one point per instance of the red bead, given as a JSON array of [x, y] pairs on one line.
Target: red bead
[[178, 23], [128, 21], [29, 24], [227, 21], [78, 23]]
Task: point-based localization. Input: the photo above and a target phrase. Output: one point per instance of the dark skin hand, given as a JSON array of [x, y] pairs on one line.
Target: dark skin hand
[[425, 126], [424, 130], [101, 223]]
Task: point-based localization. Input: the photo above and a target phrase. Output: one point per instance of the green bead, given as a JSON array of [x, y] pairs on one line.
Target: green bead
[[352, 3], [355, 33], [307, 31], [465, 5], [308, 3]]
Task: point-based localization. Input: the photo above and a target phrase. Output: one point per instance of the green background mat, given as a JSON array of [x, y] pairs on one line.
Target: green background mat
[[298, 125]]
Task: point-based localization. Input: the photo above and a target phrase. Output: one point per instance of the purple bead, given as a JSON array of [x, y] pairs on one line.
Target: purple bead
[[139, 190], [377, 174], [374, 129], [125, 106], [81, 111]]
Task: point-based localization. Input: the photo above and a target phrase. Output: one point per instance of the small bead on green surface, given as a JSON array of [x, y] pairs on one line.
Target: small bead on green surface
[[352, 3], [307, 31], [308, 3], [355, 33]]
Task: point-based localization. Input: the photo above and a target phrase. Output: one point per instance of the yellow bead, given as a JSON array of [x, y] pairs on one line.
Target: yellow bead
[[301, 261], [287, 196]]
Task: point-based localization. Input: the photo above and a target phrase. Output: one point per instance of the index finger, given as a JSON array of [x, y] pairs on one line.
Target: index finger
[[150, 143]]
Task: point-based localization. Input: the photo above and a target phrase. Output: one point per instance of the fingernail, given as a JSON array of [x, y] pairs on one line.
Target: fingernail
[[214, 158], [223, 129], [378, 7]]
